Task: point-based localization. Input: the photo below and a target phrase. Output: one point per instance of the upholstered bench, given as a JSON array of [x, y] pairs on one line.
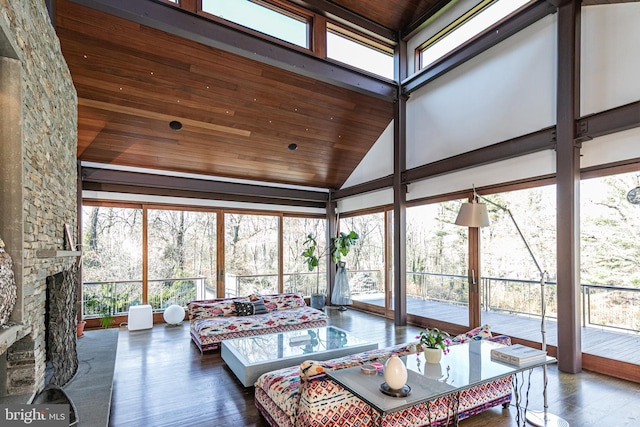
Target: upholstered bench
[[214, 320], [304, 396]]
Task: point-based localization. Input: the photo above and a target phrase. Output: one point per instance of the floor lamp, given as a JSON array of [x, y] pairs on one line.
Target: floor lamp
[[475, 214]]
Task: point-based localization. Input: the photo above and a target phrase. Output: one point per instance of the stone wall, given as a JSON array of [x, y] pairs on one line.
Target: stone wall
[[47, 180]]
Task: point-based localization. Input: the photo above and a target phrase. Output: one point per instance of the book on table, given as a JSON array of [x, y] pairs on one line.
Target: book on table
[[518, 354]]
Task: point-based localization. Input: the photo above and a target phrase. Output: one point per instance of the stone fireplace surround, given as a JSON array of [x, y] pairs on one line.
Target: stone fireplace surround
[[38, 182]]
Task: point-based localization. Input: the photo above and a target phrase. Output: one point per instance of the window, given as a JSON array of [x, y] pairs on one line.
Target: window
[[610, 253], [366, 260], [469, 25], [111, 260], [181, 256], [358, 51], [262, 17], [297, 277], [251, 254], [437, 260], [510, 280]]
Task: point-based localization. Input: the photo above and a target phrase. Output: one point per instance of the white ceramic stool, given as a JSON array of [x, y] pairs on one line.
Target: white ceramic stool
[[140, 317]]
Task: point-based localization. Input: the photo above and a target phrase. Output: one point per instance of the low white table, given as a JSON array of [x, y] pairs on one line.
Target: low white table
[[250, 357]]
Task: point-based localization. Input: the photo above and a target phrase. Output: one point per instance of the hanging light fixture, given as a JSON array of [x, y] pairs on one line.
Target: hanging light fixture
[[473, 214]]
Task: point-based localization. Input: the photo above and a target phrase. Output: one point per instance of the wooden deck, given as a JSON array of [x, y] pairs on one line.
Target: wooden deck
[[597, 341], [162, 380]]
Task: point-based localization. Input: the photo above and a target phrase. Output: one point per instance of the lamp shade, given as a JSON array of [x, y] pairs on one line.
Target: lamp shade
[[473, 215]]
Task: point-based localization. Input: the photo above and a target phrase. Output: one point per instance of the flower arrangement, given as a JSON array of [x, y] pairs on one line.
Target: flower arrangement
[[434, 338]]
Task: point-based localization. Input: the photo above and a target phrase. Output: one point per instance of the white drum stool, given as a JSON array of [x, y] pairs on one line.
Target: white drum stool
[[140, 317]]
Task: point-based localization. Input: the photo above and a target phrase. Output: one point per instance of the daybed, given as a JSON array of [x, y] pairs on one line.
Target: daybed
[[304, 396], [214, 320]]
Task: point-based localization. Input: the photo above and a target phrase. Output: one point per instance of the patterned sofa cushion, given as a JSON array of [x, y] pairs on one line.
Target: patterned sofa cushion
[[477, 334], [221, 307], [212, 326]]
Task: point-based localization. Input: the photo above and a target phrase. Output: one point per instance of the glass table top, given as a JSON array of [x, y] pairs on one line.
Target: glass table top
[[262, 348], [466, 365]]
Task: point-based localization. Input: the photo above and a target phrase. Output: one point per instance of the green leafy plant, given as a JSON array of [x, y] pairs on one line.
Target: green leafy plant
[[339, 247], [434, 338]]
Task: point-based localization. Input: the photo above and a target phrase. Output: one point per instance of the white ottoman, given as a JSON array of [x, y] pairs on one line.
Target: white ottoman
[[140, 317]]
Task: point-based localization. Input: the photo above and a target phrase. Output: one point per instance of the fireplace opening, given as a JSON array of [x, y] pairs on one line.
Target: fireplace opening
[[60, 327]]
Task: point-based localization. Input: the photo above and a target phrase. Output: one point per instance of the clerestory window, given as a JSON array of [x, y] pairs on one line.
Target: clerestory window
[[263, 17], [359, 51], [474, 22]]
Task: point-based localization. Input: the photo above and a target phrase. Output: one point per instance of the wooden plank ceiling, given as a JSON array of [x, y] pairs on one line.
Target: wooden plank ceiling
[[239, 116]]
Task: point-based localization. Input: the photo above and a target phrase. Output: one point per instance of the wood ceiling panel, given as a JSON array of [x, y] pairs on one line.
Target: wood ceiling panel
[[238, 115], [394, 14]]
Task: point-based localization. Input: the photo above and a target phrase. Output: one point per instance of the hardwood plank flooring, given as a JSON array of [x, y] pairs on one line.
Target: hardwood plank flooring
[[162, 380]]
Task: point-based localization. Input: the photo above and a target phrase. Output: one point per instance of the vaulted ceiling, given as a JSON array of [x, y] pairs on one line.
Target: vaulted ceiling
[[239, 116]]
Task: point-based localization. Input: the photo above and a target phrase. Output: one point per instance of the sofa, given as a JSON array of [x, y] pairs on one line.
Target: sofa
[[214, 320], [304, 396]]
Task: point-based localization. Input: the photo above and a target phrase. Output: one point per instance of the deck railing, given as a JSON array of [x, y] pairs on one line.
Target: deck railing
[[116, 296], [605, 306]]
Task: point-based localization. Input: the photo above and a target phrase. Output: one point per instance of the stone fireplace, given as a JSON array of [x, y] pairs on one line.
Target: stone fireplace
[[38, 191]]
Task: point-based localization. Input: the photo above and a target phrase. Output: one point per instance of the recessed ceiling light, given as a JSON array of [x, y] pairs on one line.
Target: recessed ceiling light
[[293, 147], [175, 125]]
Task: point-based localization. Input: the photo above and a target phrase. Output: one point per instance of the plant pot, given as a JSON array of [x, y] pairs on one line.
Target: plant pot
[[433, 355], [80, 328], [317, 301]]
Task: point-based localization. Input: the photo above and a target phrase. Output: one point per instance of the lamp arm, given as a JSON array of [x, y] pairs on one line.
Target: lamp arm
[[526, 244]]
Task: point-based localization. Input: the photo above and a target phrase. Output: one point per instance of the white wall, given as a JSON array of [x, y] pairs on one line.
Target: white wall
[[505, 92], [541, 163], [610, 68], [377, 163], [611, 148]]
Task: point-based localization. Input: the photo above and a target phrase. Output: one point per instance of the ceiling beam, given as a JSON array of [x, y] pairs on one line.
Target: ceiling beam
[[94, 177], [520, 146], [220, 36], [589, 127], [503, 31], [610, 121]]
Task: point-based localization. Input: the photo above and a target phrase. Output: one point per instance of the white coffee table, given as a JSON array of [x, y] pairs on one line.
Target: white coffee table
[[250, 357]]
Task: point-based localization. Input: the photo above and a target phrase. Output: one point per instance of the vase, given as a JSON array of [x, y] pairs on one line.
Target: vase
[[395, 373], [433, 355]]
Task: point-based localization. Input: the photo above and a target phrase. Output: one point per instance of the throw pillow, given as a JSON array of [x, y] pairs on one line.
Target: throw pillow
[[250, 308], [259, 307], [244, 308]]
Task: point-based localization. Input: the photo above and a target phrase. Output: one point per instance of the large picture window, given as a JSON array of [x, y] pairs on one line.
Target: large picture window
[[437, 260], [251, 254]]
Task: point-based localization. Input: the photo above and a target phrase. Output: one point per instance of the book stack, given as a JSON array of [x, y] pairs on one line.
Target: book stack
[[518, 355]]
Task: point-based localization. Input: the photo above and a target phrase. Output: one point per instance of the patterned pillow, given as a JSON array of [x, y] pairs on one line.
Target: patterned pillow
[[476, 334], [244, 308], [259, 307], [250, 308]]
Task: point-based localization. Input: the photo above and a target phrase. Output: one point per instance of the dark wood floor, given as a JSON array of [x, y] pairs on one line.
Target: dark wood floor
[[162, 380]]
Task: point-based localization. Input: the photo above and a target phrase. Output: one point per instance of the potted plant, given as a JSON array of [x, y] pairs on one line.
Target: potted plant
[[433, 342], [339, 247]]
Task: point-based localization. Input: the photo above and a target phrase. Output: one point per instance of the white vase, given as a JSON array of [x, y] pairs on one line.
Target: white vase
[[395, 373], [433, 355]]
